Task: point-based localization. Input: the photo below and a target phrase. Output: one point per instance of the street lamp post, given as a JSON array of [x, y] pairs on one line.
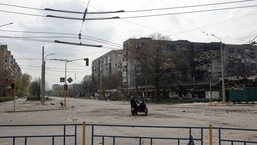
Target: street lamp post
[[43, 75], [65, 82], [65, 75], [222, 69]]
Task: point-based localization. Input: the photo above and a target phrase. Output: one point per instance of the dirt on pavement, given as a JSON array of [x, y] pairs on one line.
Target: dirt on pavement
[[118, 112]]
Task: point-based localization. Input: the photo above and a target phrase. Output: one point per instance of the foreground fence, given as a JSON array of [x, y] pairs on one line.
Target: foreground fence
[[45, 134], [109, 134]]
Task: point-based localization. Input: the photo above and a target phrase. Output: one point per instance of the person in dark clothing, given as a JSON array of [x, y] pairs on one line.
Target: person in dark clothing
[[133, 104]]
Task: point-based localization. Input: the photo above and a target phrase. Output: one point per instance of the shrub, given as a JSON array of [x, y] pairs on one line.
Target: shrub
[[116, 96], [5, 99]]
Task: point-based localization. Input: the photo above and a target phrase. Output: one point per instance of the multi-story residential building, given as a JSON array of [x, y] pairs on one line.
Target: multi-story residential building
[[195, 64], [109, 63], [180, 50], [202, 62], [9, 69], [240, 60]]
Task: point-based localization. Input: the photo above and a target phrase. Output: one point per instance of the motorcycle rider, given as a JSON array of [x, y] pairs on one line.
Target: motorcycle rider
[[133, 103]]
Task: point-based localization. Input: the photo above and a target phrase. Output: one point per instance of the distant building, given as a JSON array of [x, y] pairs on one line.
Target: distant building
[[57, 86], [9, 69], [203, 61], [107, 64], [195, 63]]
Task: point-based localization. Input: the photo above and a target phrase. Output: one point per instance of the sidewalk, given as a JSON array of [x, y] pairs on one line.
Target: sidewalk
[[21, 105]]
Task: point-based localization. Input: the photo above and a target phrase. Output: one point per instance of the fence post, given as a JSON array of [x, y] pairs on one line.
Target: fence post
[[210, 134], [84, 133], [64, 134]]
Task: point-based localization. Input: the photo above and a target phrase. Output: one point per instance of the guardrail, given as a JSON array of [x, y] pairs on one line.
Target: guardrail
[[106, 134]]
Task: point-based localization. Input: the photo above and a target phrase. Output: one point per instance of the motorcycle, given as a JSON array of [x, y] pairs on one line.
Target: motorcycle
[[142, 108]]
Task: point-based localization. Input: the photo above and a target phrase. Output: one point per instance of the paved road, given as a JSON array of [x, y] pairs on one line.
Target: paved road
[[77, 110], [118, 112], [98, 111]]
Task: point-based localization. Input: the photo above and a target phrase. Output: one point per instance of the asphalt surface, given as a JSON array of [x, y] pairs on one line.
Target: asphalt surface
[[118, 112], [99, 111]]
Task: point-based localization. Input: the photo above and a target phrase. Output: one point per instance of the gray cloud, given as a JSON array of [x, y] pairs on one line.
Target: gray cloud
[[233, 26]]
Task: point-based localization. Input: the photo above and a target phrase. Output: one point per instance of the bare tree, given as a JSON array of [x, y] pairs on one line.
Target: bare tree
[[34, 88], [111, 81], [87, 84], [23, 83], [153, 61]]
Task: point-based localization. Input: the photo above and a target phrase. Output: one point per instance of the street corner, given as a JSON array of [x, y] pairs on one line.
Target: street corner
[[32, 106]]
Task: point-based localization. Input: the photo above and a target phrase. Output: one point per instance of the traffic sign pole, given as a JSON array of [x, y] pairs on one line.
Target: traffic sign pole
[[65, 80]]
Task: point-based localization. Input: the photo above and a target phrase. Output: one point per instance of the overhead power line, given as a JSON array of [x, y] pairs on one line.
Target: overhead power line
[[16, 6], [187, 12], [129, 17], [76, 12], [27, 39], [80, 44], [102, 41], [19, 13], [34, 37], [73, 18], [122, 11], [61, 17], [51, 69], [63, 11], [157, 15], [70, 35], [62, 42], [190, 6]]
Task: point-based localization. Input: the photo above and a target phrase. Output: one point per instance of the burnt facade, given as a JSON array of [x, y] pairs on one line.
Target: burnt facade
[[196, 63], [185, 65]]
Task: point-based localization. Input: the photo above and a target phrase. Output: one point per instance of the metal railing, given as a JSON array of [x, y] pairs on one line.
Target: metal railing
[[107, 134], [111, 134], [34, 133], [240, 135]]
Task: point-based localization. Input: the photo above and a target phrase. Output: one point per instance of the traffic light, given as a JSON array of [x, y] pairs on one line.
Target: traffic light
[[65, 87], [13, 85], [87, 61]]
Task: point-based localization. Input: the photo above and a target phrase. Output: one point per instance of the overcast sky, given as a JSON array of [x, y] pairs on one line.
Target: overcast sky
[[232, 22]]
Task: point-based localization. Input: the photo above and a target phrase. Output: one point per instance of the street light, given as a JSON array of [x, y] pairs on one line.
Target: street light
[[65, 74], [43, 75], [222, 69]]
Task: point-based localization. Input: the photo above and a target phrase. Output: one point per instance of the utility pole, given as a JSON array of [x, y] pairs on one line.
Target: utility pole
[[43, 71], [222, 69], [65, 83], [222, 73], [43, 78]]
